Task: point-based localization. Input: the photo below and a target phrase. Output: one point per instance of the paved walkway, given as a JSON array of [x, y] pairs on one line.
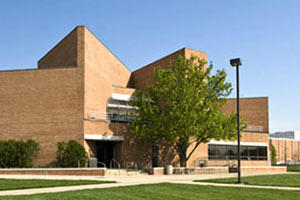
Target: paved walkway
[[125, 181]]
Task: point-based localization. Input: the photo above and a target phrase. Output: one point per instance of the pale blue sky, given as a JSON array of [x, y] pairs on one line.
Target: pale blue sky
[[265, 34]]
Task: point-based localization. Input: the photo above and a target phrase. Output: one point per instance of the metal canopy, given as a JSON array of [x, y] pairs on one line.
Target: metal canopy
[[103, 137]]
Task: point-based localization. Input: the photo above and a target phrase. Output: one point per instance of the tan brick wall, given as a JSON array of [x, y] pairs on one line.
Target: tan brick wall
[[57, 172], [142, 77], [102, 71], [121, 90], [44, 105], [155, 171], [254, 111], [198, 170], [258, 169], [286, 150], [64, 54], [104, 75]]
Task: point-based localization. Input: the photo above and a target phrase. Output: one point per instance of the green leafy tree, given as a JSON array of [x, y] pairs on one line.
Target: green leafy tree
[[273, 155], [183, 107], [70, 154]]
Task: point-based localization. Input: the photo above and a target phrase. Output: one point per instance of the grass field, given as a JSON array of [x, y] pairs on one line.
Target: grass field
[[288, 180], [166, 191], [11, 184]]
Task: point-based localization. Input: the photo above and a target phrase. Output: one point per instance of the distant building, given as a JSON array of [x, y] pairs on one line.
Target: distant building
[[287, 145], [294, 135]]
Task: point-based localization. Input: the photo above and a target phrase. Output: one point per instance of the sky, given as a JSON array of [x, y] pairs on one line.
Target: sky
[[264, 34]]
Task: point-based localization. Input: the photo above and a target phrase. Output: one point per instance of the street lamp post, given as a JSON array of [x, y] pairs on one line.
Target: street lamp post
[[236, 62]]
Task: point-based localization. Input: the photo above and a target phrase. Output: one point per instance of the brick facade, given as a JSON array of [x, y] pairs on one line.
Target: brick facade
[[44, 105], [78, 77], [287, 150], [254, 112]]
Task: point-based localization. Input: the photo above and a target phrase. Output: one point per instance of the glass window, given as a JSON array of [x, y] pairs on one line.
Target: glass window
[[232, 152], [262, 153], [121, 114], [212, 151], [220, 152], [253, 153], [229, 152], [244, 153]]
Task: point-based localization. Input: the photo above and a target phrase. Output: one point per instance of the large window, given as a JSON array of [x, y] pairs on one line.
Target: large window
[[121, 114], [120, 111], [229, 152]]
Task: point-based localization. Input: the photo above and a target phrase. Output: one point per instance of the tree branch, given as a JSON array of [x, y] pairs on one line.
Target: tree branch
[[195, 147]]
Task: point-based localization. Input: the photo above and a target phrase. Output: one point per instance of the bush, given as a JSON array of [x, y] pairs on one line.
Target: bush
[[273, 155], [71, 154], [17, 153], [293, 168]]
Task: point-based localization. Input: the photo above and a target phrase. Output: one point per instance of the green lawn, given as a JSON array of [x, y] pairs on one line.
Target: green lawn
[[166, 191], [11, 184], [293, 168], [289, 180]]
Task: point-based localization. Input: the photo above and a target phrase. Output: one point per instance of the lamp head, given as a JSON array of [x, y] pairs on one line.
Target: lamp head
[[235, 62]]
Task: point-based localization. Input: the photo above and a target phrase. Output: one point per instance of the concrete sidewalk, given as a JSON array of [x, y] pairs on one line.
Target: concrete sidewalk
[[126, 181]]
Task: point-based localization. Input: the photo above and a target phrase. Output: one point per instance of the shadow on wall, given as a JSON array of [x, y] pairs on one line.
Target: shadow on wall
[[140, 152]]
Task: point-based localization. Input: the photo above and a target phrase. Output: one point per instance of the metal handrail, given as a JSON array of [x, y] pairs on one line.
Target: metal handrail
[[112, 117], [102, 163], [135, 167], [116, 162], [112, 161]]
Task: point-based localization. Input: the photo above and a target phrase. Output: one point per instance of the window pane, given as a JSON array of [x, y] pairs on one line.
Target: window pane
[[229, 152], [217, 152], [123, 103], [232, 152], [262, 153], [211, 151], [244, 153], [221, 152], [253, 153], [112, 110]]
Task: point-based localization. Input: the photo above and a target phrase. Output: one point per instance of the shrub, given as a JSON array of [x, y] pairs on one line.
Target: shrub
[[17, 153], [70, 154], [273, 155]]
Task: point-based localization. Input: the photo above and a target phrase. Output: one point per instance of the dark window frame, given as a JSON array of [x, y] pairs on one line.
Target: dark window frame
[[247, 152]]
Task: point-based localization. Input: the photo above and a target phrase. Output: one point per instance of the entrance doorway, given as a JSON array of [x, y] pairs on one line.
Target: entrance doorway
[[105, 153]]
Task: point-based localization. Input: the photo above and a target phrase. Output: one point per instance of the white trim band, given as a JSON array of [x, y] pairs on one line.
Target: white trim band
[[119, 106], [242, 143], [103, 137], [124, 97]]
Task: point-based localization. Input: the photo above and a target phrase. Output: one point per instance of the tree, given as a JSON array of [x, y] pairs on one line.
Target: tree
[[273, 155], [183, 106]]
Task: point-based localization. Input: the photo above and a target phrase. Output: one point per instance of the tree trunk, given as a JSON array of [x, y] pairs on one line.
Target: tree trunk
[[182, 147], [155, 156], [182, 157]]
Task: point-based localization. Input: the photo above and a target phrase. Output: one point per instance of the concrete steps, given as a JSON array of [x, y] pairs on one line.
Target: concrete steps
[[124, 172]]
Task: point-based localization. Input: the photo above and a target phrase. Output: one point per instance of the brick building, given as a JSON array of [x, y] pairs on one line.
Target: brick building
[[80, 91], [287, 145]]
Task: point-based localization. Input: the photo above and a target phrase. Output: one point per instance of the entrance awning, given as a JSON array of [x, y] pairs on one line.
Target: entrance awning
[[103, 137]]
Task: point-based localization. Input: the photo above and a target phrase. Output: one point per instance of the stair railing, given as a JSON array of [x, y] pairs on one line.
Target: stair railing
[[114, 161], [102, 163]]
